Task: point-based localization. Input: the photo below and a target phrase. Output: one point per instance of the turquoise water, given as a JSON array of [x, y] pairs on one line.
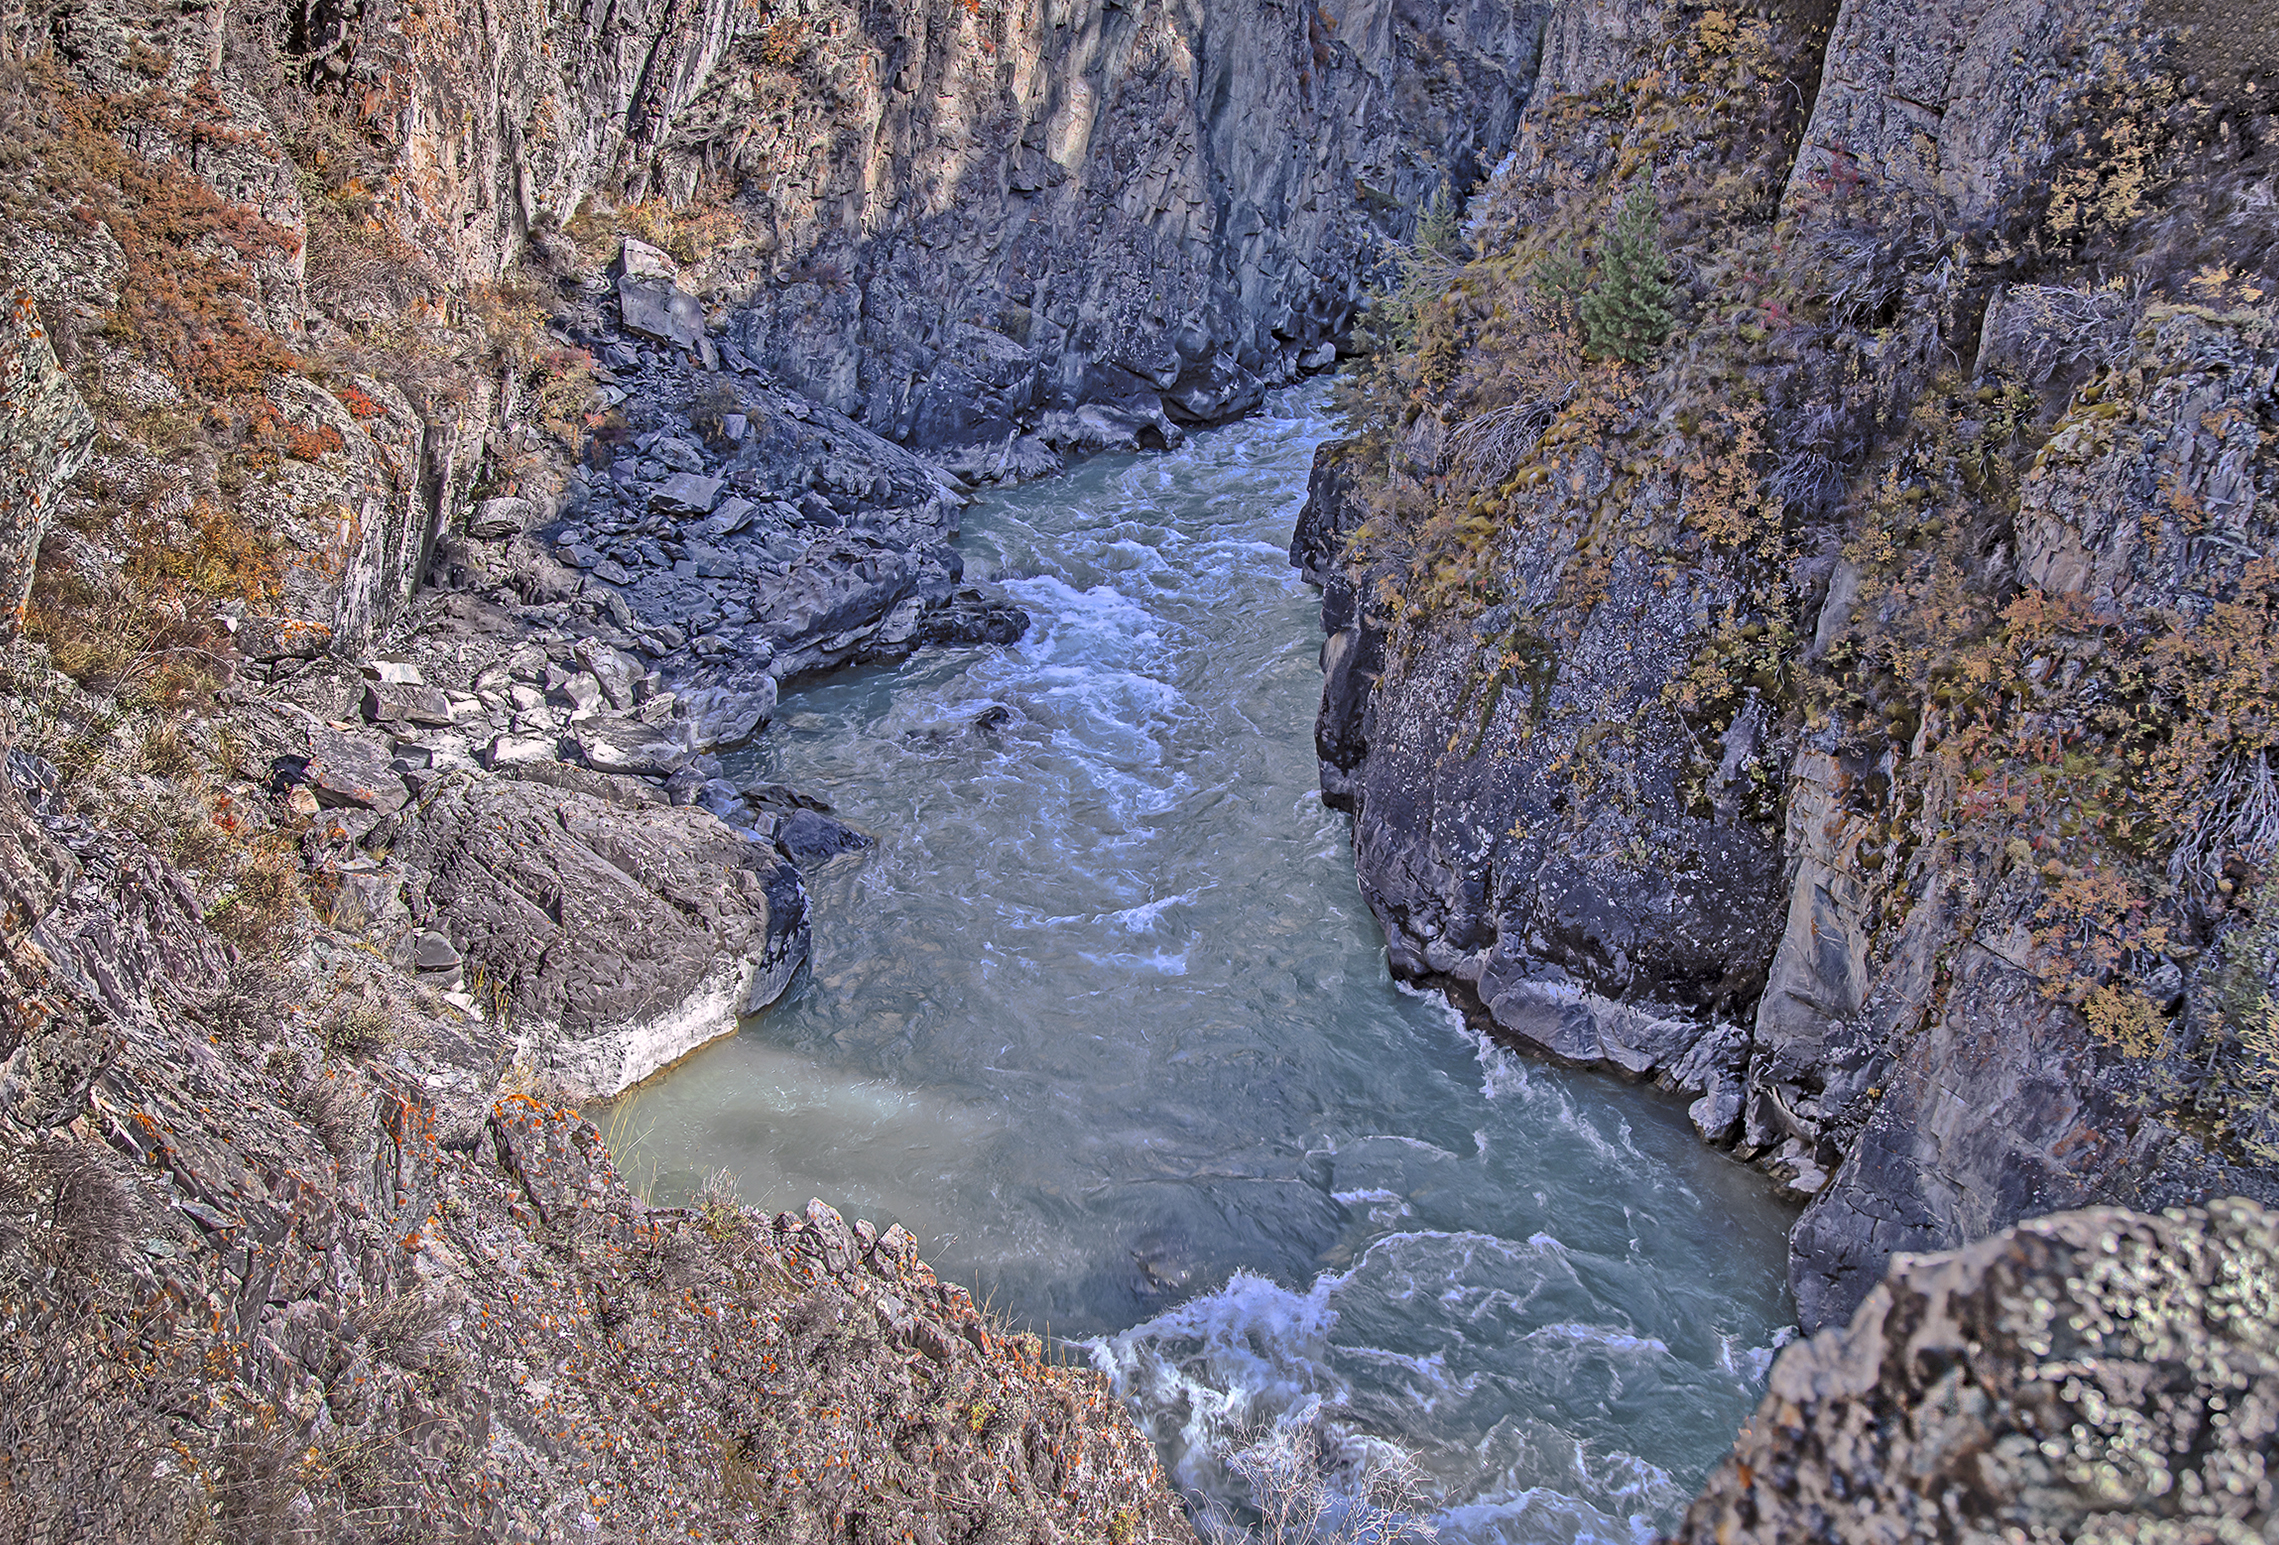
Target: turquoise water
[[1104, 1020]]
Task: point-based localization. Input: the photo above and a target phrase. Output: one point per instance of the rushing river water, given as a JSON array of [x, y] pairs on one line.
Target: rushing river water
[[1104, 1020]]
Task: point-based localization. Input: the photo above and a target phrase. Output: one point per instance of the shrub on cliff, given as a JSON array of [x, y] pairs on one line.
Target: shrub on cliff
[[1626, 315]]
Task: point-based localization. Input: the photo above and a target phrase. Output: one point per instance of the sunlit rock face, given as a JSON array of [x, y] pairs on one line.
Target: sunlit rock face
[[45, 431]]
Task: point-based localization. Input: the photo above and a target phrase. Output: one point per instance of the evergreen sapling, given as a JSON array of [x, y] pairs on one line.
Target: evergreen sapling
[[1626, 315]]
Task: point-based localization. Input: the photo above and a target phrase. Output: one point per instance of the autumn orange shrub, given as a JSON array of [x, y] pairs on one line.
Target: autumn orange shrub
[[188, 296]]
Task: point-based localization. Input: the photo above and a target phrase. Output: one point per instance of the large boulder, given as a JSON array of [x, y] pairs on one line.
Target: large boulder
[[650, 301], [2093, 1375], [615, 940]]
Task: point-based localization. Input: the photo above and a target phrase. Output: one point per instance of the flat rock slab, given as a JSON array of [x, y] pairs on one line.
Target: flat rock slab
[[345, 772], [627, 747], [620, 938], [502, 517], [407, 703], [685, 493], [656, 309]]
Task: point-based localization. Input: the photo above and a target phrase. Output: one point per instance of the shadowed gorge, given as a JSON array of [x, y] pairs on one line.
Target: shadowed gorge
[[1103, 1013]]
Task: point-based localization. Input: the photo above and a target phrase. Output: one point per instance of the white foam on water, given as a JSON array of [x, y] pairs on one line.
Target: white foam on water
[[1141, 918], [1162, 961], [1759, 1360], [1209, 1375], [1538, 1515], [1204, 1376], [1502, 1074], [1505, 1076], [1099, 608], [1600, 1336], [1429, 1370], [1417, 1143], [1383, 1208], [1134, 919], [1541, 1483]]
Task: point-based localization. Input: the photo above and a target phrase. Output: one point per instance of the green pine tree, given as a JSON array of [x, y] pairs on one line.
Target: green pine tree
[[1440, 227], [1561, 276], [1626, 315]]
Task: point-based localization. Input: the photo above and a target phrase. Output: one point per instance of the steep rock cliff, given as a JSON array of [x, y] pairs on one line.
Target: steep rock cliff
[[1731, 718], [339, 240]]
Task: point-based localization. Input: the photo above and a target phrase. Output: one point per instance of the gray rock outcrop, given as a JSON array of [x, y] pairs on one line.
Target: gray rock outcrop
[[1821, 825], [45, 434], [2093, 1375], [613, 941]]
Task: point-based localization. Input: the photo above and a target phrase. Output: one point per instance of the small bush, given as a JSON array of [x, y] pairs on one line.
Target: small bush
[[334, 1105], [357, 1029], [252, 1004], [406, 1330], [261, 896], [1298, 1501], [66, 1204], [718, 1211]]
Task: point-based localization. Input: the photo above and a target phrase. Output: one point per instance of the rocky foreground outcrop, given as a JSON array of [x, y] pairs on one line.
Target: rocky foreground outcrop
[[2098, 1375], [1847, 701], [289, 1250]]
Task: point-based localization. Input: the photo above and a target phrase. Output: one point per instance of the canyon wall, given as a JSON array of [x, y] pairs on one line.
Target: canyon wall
[[1847, 710], [955, 223], [429, 433]]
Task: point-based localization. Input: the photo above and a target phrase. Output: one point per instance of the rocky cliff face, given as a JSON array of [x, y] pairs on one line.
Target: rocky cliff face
[[1731, 717], [368, 245]]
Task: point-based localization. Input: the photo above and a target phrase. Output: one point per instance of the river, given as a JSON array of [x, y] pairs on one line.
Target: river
[[1104, 1020]]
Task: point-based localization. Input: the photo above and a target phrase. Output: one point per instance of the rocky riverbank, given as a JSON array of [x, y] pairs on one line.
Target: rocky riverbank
[[1814, 656], [300, 1260]]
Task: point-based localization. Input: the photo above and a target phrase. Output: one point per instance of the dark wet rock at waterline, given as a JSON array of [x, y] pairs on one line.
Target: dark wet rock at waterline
[[811, 839]]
